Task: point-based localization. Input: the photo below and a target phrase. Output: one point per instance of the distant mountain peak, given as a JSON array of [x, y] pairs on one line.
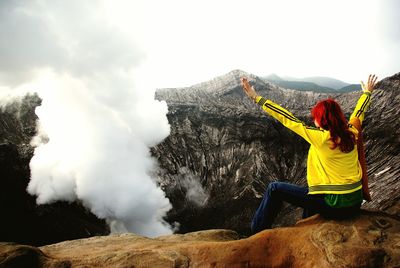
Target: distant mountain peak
[[236, 75], [220, 82], [238, 72], [273, 77], [323, 81]]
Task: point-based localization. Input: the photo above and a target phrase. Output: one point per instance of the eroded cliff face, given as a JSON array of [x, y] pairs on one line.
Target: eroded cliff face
[[232, 149], [222, 152], [382, 140]]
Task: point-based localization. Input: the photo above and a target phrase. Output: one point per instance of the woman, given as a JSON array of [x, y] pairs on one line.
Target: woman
[[334, 172]]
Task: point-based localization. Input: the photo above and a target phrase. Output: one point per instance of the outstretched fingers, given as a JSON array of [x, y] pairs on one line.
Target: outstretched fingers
[[248, 89], [372, 81], [245, 83], [374, 78], [370, 84]]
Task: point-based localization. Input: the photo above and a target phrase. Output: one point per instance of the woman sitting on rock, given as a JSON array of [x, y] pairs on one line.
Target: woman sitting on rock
[[334, 172]]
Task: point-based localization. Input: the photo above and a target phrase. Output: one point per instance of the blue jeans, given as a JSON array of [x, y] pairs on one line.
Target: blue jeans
[[277, 192]]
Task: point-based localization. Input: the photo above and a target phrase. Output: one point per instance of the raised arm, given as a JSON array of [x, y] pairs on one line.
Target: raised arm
[[311, 134], [365, 99]]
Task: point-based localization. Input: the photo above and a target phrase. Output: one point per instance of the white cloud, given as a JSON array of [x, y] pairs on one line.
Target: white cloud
[[99, 122]]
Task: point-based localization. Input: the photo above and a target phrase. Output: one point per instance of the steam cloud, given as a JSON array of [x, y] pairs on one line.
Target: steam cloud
[[195, 193], [95, 123], [190, 184]]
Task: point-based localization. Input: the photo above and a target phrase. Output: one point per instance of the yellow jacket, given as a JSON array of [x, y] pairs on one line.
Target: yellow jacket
[[328, 171]]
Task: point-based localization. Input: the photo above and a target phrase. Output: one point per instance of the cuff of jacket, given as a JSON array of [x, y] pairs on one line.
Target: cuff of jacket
[[368, 92], [260, 100]]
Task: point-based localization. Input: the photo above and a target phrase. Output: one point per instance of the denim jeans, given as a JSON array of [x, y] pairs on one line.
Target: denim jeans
[[278, 192]]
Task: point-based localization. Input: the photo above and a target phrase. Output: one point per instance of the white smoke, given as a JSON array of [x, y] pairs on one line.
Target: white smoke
[[95, 123], [195, 193]]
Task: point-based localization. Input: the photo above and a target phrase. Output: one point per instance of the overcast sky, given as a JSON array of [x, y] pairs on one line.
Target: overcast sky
[[182, 42], [186, 42]]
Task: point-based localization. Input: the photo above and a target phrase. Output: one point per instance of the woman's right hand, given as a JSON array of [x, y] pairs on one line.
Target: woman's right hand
[[249, 90], [370, 86]]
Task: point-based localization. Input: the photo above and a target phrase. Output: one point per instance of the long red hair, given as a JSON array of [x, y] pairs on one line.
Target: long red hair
[[328, 114]]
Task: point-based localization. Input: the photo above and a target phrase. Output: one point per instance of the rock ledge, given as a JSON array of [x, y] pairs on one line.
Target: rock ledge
[[371, 239]]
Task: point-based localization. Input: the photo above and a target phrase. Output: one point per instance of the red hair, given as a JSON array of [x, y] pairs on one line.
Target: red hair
[[329, 116]]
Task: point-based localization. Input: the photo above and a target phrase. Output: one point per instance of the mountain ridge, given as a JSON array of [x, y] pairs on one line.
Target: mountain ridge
[[315, 83], [223, 143], [234, 149], [320, 80]]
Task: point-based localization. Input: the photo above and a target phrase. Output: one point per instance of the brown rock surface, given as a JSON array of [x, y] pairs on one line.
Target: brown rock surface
[[369, 240]]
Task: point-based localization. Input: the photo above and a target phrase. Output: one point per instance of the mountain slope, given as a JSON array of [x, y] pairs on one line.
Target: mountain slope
[[316, 84], [222, 153], [300, 85], [227, 144], [321, 80]]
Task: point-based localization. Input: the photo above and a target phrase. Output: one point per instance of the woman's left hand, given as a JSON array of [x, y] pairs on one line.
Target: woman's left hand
[[249, 90], [370, 86]]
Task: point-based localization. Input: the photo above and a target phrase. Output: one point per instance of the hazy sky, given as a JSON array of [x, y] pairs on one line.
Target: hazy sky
[[186, 42], [182, 42]]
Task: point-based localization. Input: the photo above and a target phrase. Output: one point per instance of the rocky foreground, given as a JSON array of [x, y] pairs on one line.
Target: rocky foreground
[[371, 239]]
